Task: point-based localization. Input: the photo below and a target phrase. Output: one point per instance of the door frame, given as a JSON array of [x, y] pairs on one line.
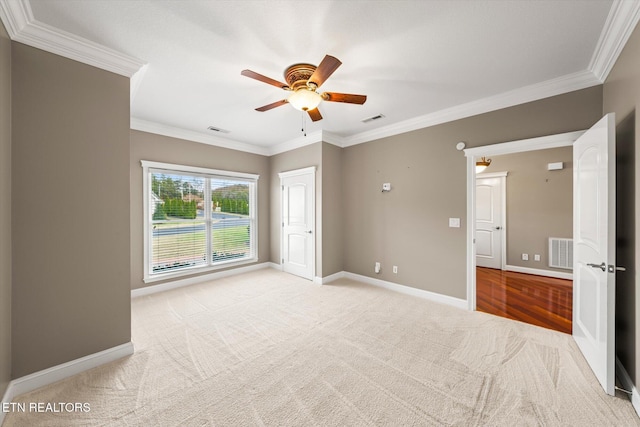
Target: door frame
[[503, 206], [304, 171], [472, 154]]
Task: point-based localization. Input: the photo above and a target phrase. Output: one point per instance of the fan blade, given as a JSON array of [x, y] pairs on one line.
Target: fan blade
[[272, 105], [328, 65], [264, 79], [344, 97], [315, 114]]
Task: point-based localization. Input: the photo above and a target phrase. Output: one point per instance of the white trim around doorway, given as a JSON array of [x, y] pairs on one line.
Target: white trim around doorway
[[532, 144]]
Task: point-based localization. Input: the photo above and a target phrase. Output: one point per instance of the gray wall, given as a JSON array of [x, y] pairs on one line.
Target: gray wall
[[5, 210], [70, 210], [539, 203], [408, 226], [622, 96], [310, 155], [148, 146], [332, 228]]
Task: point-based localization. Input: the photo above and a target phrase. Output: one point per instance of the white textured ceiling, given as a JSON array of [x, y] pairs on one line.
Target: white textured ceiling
[[411, 58]]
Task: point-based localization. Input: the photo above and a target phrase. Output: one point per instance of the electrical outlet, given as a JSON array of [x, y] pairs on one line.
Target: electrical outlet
[[525, 257], [395, 269], [377, 268], [536, 257]]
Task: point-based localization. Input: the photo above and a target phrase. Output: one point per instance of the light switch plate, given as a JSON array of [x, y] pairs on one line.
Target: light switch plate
[[454, 222]]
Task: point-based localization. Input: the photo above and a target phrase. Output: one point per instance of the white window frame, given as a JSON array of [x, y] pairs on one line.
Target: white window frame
[[149, 167]]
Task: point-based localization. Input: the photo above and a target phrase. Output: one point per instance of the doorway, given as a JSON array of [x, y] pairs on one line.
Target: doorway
[[535, 200], [532, 296], [533, 144], [594, 232], [297, 237]]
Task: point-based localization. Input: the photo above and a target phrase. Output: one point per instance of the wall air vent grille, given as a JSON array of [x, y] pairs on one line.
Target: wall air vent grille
[[561, 253]]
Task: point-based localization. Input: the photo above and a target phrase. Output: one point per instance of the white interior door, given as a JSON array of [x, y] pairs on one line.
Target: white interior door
[[594, 248], [489, 221], [298, 221]]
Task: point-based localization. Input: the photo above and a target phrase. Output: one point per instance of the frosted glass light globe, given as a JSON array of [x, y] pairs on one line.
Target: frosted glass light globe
[[304, 99]]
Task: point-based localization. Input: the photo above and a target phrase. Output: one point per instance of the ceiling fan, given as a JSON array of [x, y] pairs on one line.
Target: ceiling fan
[[303, 80]]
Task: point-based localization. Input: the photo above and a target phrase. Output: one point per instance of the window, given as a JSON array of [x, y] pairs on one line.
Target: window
[[197, 219]]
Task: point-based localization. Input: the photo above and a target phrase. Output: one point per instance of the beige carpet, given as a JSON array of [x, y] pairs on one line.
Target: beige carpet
[[267, 348]]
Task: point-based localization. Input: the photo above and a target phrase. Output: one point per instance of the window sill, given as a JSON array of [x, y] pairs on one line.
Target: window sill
[[194, 271]]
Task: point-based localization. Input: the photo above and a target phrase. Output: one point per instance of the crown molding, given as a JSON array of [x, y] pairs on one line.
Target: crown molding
[[189, 135], [193, 136], [298, 142], [15, 16], [302, 141], [622, 20], [333, 139], [564, 84], [135, 82], [22, 27], [548, 88]]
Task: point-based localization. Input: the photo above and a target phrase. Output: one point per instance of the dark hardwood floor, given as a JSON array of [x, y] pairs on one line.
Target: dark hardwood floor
[[538, 300]]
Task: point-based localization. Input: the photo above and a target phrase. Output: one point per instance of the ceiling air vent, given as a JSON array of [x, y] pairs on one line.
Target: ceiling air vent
[[376, 117], [215, 129]]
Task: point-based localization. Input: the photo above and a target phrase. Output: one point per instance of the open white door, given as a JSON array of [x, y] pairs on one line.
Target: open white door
[[594, 235], [298, 221]]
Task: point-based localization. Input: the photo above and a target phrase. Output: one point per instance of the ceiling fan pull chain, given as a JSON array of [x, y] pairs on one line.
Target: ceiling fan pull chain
[[304, 133]]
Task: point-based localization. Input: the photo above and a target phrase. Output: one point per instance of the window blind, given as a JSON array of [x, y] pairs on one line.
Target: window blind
[[198, 220], [231, 222]]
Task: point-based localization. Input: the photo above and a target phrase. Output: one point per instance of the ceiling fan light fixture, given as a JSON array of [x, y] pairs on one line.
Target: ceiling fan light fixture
[[482, 164], [303, 80], [305, 99]]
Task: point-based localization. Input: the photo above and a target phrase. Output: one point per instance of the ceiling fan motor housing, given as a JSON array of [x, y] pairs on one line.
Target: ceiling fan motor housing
[[298, 75]]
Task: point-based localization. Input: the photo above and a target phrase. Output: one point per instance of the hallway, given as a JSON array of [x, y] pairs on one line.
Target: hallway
[[538, 300]]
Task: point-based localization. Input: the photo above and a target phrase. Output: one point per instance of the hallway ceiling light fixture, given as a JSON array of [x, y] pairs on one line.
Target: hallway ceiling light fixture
[[482, 164]]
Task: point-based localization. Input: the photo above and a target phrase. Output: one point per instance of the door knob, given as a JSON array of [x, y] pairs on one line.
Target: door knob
[[602, 266], [309, 232], [498, 228]]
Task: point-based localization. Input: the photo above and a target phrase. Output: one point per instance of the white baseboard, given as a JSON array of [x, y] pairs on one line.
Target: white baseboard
[[421, 293], [330, 278], [627, 384], [154, 289], [56, 373], [275, 266], [539, 272]]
